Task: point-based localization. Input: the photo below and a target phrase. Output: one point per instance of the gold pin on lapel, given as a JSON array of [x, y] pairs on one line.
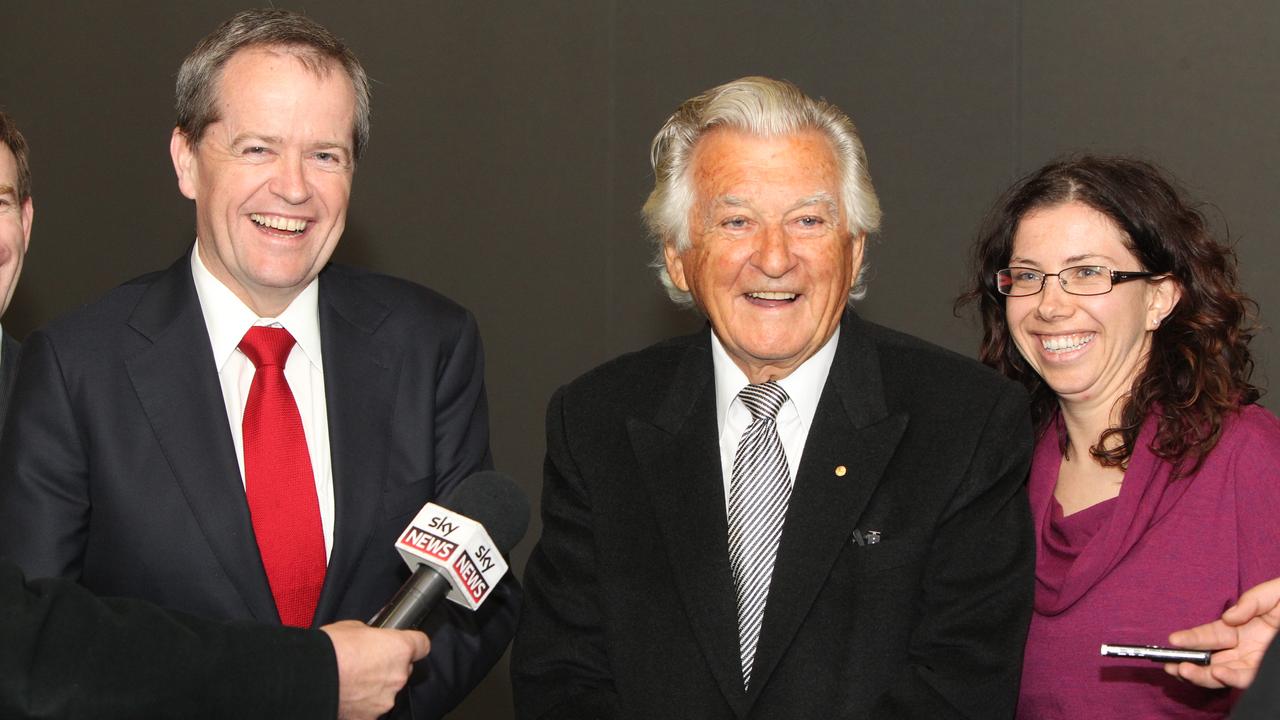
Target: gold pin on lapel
[[841, 470]]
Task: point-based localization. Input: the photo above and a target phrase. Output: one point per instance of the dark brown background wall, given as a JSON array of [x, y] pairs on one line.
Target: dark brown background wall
[[510, 149]]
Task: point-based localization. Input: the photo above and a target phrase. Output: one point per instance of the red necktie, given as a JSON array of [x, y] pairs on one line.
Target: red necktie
[[278, 481]]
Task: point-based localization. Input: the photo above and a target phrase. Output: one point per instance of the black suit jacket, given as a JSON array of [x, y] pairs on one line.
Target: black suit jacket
[[66, 654], [119, 468], [630, 608], [1262, 700], [9, 352]]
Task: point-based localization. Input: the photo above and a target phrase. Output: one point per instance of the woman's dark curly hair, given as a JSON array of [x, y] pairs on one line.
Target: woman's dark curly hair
[[1199, 366]]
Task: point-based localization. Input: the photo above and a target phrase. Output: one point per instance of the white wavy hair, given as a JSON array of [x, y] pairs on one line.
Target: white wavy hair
[[767, 108]]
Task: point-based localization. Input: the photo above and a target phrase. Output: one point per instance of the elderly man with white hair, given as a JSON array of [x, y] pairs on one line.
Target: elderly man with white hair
[[793, 513]]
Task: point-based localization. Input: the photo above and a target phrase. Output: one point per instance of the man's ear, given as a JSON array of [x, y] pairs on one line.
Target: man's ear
[[859, 245], [184, 163], [675, 266], [28, 215]]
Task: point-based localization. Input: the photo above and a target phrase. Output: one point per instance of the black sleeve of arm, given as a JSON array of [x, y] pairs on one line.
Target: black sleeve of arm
[[65, 653], [1262, 700], [559, 662], [966, 653]]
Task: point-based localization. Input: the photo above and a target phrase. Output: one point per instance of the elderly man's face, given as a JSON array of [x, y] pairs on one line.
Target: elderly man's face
[[771, 262], [15, 226], [272, 178]]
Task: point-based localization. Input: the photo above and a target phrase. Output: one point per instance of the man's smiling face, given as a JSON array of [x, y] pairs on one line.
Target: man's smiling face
[[272, 177], [770, 260]]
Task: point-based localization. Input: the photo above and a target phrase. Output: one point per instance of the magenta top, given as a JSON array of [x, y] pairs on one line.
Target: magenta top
[[1162, 556]]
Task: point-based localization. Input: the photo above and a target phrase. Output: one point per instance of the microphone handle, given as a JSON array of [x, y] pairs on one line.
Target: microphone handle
[[415, 598]]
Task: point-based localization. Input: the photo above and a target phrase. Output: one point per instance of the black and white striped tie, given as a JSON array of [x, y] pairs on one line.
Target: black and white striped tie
[[759, 491]]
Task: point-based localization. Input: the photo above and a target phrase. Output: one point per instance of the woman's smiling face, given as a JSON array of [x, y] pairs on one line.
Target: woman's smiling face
[[1088, 349]]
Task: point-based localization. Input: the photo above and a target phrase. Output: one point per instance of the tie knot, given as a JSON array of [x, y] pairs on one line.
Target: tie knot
[[267, 346], [763, 400]]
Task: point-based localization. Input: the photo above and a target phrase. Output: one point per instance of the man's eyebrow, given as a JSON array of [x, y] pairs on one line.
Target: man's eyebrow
[[254, 137], [732, 201], [6, 189], [330, 145], [819, 198]]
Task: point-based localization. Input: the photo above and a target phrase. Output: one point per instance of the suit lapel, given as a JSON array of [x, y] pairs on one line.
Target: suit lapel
[[851, 429], [177, 385], [679, 458], [359, 387]]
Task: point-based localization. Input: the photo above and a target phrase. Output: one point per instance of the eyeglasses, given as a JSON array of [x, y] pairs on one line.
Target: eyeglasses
[[1078, 280]]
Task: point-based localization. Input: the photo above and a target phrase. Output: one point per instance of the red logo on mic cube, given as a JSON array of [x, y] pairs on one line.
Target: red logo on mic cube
[[433, 545], [472, 579]]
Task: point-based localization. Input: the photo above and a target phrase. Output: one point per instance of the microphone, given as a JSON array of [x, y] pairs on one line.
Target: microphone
[[456, 549]]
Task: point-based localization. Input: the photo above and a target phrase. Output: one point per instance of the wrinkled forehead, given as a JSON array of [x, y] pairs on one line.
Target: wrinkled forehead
[[730, 163]]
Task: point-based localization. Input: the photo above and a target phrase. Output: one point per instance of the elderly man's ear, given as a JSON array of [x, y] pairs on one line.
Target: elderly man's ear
[[675, 266], [858, 244]]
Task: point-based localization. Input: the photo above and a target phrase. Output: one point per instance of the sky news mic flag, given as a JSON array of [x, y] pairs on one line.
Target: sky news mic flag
[[456, 548]]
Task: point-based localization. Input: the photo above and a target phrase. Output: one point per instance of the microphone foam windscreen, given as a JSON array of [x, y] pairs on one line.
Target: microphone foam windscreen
[[495, 501]]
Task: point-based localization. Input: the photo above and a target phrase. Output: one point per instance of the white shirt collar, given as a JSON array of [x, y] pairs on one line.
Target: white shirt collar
[[804, 384], [227, 318]]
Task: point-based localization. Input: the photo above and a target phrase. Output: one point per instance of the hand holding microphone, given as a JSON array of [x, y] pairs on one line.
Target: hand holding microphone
[[456, 548], [373, 665]]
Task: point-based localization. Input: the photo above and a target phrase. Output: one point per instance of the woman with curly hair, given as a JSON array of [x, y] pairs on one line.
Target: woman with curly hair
[[1156, 479]]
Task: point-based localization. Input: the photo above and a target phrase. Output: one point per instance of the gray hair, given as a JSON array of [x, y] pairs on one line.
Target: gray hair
[[310, 42], [764, 107]]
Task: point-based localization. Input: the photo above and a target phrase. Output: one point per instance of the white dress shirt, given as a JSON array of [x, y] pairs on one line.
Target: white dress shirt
[[804, 388], [227, 319]]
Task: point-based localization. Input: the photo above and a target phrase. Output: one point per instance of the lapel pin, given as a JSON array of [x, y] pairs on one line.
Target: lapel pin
[[841, 470]]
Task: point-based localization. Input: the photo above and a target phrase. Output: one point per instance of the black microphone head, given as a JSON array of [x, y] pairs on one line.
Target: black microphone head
[[495, 501]]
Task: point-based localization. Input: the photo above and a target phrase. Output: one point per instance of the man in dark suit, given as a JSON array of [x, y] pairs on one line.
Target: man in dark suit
[[129, 659], [795, 513], [16, 213], [244, 434]]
